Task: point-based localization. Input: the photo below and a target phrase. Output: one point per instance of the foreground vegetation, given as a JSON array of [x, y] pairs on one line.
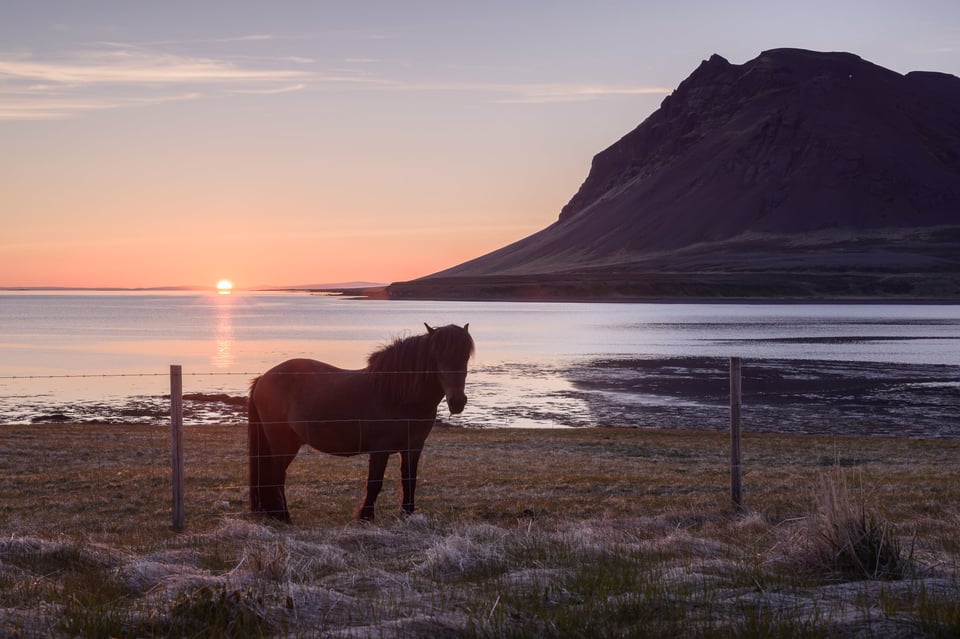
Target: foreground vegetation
[[553, 533]]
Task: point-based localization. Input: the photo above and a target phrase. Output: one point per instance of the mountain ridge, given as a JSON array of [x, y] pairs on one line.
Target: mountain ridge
[[802, 148]]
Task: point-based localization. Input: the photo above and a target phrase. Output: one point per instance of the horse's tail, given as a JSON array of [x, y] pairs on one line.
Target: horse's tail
[[257, 451]]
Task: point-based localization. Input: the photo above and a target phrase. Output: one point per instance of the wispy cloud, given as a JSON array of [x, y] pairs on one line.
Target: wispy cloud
[[254, 37], [128, 67], [32, 88], [549, 93], [289, 89], [58, 108], [535, 93], [121, 76]]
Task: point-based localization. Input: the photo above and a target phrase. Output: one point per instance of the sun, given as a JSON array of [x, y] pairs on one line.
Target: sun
[[224, 286]]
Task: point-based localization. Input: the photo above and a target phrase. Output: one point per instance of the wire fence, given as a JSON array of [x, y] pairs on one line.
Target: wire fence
[[371, 434], [179, 453], [237, 453]]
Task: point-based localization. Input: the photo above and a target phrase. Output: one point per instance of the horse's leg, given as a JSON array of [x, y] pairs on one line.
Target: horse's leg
[[278, 486], [409, 459], [378, 466], [257, 448], [269, 460]]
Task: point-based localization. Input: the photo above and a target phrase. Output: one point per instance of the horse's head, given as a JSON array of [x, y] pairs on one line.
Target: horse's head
[[450, 349]]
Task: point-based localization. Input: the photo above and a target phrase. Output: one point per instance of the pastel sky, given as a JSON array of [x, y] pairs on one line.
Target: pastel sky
[[282, 143]]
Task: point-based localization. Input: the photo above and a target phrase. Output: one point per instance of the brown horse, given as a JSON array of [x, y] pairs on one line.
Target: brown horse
[[388, 407]]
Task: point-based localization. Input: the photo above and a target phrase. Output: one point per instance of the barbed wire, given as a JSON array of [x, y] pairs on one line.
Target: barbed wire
[[226, 373], [84, 375]]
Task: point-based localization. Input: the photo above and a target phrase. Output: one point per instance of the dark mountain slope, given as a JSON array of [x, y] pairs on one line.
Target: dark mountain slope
[[796, 173]]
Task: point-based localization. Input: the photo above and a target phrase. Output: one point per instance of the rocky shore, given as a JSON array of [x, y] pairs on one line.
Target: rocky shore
[[788, 396]]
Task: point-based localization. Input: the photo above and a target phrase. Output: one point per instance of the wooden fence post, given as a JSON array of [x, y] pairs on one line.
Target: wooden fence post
[[736, 460], [176, 443]]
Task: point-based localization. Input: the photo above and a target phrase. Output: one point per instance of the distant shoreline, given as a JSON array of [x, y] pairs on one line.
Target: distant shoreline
[[383, 292], [105, 289]]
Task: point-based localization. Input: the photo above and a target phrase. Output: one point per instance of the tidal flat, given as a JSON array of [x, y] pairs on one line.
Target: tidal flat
[[603, 532]]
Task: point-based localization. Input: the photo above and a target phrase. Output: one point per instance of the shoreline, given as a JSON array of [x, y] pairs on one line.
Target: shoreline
[[689, 393], [382, 293]]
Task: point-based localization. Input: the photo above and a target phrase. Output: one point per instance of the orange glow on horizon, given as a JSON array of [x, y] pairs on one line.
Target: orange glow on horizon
[[224, 286], [250, 257]]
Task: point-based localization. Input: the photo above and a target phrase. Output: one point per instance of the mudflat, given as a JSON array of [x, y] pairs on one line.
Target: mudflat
[[790, 396]]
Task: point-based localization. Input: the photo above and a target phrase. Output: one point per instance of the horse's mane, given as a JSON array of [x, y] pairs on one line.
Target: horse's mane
[[402, 354], [404, 365]]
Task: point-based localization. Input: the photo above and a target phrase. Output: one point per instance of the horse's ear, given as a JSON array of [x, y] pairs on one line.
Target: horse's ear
[[429, 330], [466, 327]]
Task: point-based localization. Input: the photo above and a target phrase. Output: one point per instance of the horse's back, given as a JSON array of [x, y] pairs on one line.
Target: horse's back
[[304, 366], [297, 385], [335, 410], [307, 395]]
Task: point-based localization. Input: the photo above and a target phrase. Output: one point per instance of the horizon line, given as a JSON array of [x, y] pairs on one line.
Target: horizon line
[[197, 287]]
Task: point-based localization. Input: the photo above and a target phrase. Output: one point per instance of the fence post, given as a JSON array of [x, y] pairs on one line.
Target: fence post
[[736, 460], [176, 443]]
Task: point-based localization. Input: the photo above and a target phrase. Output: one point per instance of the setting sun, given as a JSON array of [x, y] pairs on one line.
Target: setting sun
[[224, 286]]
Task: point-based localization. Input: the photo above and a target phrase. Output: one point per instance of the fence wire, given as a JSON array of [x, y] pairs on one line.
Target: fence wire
[[357, 422], [225, 374], [239, 453]]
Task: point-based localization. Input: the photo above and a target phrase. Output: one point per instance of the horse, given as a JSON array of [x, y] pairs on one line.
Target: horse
[[388, 407]]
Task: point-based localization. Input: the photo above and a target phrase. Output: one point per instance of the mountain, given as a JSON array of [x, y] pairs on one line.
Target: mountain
[[796, 174]]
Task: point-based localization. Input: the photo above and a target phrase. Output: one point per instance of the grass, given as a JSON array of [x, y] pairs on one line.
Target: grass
[[548, 533], [849, 540]]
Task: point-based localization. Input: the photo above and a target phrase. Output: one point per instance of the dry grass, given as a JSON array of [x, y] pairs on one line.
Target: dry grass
[[848, 538], [599, 532]]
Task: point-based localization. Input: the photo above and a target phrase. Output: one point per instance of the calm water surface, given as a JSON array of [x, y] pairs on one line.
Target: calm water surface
[[96, 355]]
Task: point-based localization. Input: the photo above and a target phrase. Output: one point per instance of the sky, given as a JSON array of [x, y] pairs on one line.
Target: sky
[[148, 144]]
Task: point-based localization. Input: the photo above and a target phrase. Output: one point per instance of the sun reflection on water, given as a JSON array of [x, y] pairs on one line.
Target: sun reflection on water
[[223, 356]]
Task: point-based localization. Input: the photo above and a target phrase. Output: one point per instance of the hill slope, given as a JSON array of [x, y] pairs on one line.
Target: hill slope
[[798, 173]]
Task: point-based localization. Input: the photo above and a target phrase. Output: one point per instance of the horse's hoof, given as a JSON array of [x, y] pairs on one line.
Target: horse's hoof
[[276, 515], [364, 515], [271, 517]]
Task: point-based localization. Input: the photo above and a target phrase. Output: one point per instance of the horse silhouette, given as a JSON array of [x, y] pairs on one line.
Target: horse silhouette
[[388, 407]]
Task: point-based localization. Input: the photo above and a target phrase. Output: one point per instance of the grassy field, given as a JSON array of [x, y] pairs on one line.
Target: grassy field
[[519, 533]]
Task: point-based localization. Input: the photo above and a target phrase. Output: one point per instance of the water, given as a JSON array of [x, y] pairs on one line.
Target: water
[[106, 356]]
